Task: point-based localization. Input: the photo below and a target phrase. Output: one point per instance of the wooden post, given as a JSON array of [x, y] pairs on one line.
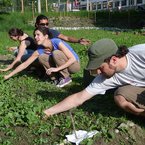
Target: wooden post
[[33, 10], [73, 123], [39, 6], [22, 6], [46, 3]]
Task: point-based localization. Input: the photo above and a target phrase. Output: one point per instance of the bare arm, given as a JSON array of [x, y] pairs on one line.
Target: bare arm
[[13, 48], [69, 55], [69, 103], [21, 51], [23, 65], [74, 40]]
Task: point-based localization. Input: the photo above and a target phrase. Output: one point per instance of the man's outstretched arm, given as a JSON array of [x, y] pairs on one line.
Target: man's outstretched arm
[[82, 41], [69, 103]]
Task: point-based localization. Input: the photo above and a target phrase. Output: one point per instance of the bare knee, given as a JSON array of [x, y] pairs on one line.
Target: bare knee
[[42, 58]]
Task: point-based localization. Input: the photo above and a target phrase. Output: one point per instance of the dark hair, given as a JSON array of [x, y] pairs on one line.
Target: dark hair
[[44, 31], [15, 32], [122, 51], [39, 18]]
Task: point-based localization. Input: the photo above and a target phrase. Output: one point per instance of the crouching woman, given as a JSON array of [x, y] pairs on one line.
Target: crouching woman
[[25, 49], [57, 57]]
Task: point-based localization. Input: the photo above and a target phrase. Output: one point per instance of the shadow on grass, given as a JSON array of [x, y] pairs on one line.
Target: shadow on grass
[[60, 95], [5, 62], [136, 119], [103, 104], [47, 95]]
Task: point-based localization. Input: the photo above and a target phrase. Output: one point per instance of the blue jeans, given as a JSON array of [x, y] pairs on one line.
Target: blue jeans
[[26, 55]]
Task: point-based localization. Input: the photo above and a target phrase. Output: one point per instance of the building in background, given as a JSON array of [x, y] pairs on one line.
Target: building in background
[[95, 5], [70, 5]]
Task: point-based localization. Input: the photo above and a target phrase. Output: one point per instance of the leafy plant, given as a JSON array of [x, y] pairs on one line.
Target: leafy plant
[[24, 97]]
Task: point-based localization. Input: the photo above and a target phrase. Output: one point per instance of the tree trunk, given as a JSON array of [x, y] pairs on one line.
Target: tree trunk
[[22, 6], [39, 6], [46, 3]]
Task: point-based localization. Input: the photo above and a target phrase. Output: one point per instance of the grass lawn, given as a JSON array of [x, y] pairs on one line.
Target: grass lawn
[[24, 96]]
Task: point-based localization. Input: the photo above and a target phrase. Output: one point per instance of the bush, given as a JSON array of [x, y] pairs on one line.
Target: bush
[[130, 19]]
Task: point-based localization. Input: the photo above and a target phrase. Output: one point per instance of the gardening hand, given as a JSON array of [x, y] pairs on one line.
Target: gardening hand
[[6, 77], [84, 41], [46, 116], [5, 69], [52, 69], [2, 70], [11, 49]]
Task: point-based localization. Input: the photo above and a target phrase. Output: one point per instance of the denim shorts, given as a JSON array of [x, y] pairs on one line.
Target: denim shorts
[[26, 55]]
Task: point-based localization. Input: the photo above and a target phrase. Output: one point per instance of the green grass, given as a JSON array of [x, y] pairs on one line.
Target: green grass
[[21, 20], [23, 98]]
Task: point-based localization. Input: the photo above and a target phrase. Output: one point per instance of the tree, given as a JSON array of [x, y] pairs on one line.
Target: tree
[[6, 2], [46, 3], [39, 6], [22, 6]]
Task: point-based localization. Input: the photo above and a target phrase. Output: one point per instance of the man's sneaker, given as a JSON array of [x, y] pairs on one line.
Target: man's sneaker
[[64, 81]]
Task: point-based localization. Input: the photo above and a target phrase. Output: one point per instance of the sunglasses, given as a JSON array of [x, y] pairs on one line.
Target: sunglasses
[[44, 24]]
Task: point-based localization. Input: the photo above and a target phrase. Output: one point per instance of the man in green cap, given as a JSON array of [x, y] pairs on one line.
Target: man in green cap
[[100, 50], [123, 70]]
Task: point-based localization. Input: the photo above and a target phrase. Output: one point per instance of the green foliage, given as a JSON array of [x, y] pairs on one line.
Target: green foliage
[[131, 19], [15, 20], [24, 97], [5, 3], [26, 20]]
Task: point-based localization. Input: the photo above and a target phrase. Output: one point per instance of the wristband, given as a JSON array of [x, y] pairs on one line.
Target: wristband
[[80, 40]]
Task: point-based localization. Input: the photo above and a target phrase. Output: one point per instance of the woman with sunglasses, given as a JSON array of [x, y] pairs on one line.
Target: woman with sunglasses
[[25, 49], [42, 20], [57, 57]]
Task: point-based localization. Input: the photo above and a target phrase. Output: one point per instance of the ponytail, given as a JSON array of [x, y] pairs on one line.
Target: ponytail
[[15, 32]]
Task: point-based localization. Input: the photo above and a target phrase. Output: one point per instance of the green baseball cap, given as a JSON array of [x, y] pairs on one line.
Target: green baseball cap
[[100, 50]]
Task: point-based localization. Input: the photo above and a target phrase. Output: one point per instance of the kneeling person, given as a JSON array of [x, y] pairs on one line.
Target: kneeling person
[[123, 69], [58, 58], [25, 49]]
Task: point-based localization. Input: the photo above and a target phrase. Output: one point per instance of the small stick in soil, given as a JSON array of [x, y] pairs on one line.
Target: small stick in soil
[[73, 123]]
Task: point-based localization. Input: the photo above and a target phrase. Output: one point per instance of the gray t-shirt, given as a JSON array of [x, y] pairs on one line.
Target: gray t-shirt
[[134, 74]]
